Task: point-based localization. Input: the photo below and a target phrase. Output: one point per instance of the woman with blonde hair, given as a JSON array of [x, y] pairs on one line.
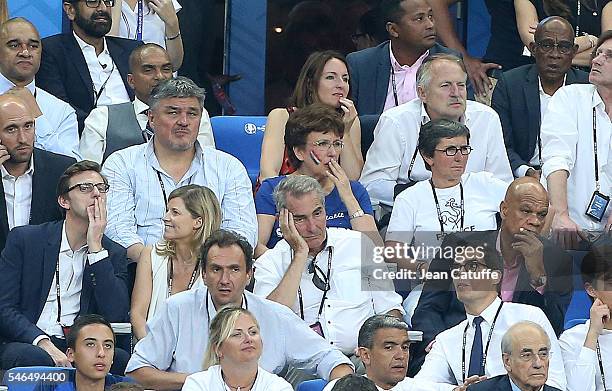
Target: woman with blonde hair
[[232, 355], [172, 266]]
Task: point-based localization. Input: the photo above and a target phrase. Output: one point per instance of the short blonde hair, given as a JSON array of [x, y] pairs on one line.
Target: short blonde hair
[[221, 328]]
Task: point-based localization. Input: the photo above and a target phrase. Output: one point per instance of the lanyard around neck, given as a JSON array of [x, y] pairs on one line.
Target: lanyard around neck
[[597, 187], [484, 354], [440, 220], [327, 287], [393, 85], [601, 368]]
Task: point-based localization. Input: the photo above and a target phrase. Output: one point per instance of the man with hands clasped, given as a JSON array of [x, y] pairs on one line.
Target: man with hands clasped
[[587, 348], [53, 272]]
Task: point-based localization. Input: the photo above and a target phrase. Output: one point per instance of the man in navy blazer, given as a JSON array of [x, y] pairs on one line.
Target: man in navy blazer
[[52, 272], [521, 93], [412, 34], [526, 354], [536, 271], [64, 69]]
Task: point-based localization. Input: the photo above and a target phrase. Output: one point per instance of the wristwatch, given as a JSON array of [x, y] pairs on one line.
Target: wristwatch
[[538, 282], [359, 213]]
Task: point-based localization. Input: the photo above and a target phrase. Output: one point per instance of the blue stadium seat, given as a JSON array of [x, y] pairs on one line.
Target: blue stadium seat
[[241, 137], [312, 385], [574, 322], [579, 307]]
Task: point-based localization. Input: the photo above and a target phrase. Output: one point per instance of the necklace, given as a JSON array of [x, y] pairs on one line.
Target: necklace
[[238, 388]]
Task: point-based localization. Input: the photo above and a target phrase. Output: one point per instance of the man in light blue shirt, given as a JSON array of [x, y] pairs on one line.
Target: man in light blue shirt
[[142, 176], [178, 334]]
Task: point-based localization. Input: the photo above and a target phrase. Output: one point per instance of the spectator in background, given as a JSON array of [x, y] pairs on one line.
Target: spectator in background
[[85, 67], [370, 30], [587, 347], [52, 272], [143, 175], [234, 348], [588, 17], [114, 127], [473, 347], [354, 382], [578, 174], [313, 138], [150, 21], [20, 52], [384, 76], [29, 174], [173, 264], [526, 351], [521, 95], [393, 158], [323, 79], [172, 349]]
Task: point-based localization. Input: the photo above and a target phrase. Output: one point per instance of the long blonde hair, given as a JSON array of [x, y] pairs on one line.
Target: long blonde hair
[[201, 202], [221, 328]]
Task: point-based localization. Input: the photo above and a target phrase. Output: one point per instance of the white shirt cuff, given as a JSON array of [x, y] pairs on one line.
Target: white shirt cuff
[[40, 338], [521, 171], [95, 257]]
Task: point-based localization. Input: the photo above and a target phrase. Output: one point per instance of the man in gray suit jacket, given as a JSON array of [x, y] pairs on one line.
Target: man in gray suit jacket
[[375, 84]]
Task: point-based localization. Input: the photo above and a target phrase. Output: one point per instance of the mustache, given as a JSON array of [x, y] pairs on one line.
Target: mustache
[[100, 14]]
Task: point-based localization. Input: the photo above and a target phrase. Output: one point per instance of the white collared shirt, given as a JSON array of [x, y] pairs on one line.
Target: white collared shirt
[[567, 144], [136, 202], [178, 336], [102, 68], [18, 195], [153, 27], [443, 363], [56, 128], [350, 300], [581, 364], [396, 138], [212, 380], [93, 140]]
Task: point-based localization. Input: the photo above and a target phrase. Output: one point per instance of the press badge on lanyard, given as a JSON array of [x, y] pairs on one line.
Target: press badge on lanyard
[[599, 201]]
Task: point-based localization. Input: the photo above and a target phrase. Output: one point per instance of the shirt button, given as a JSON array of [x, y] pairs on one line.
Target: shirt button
[[329, 322]]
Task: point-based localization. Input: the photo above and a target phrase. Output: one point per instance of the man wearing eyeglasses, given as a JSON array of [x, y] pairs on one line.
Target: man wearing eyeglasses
[[522, 94], [318, 271], [85, 67], [576, 135], [51, 273], [526, 354], [393, 158], [473, 347]]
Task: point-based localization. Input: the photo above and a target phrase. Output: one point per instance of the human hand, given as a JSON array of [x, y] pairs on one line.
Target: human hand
[[565, 231], [337, 175], [599, 314], [166, 12], [350, 113], [469, 381], [4, 153], [96, 214], [531, 248], [477, 72], [59, 357], [291, 234], [532, 172]]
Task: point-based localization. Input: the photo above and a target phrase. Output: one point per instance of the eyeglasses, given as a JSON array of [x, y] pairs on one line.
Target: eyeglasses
[[325, 145], [547, 46], [530, 356], [452, 151], [319, 279], [88, 187], [607, 54], [96, 3], [469, 266]]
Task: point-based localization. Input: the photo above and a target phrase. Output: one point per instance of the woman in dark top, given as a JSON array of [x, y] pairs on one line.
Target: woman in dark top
[[588, 17]]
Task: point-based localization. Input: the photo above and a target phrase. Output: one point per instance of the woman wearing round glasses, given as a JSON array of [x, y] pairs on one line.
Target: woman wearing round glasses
[[450, 200], [323, 79], [313, 136], [172, 266], [232, 355]]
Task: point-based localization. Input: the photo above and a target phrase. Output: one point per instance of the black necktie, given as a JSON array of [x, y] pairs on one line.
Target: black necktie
[[476, 355]]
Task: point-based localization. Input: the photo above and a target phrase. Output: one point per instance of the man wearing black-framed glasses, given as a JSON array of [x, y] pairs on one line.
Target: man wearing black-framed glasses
[[55, 271], [85, 67]]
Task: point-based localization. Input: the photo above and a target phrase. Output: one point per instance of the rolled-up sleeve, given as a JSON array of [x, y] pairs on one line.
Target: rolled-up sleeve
[[559, 134]]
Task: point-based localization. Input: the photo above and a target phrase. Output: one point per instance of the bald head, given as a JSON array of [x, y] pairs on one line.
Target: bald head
[[525, 185], [524, 208], [149, 65], [4, 27], [10, 103], [555, 23], [526, 355], [519, 331], [17, 131]]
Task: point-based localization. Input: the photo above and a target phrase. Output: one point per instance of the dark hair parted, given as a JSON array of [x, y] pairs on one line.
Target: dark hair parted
[[224, 238], [316, 117], [84, 165], [82, 321], [305, 91], [432, 132], [375, 323]]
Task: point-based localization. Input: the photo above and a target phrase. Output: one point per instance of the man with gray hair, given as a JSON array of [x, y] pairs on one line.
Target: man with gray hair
[[526, 355], [383, 347], [143, 175], [393, 158], [322, 273]]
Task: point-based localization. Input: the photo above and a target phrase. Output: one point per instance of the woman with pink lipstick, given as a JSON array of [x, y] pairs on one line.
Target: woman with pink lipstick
[[172, 266], [232, 355], [313, 136], [323, 79]]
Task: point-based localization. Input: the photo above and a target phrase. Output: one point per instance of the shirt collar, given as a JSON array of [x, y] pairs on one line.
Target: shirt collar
[[397, 67], [83, 44], [541, 89], [597, 99], [29, 171], [198, 157], [6, 84], [488, 313], [65, 246], [425, 117], [516, 388], [139, 106], [208, 305]]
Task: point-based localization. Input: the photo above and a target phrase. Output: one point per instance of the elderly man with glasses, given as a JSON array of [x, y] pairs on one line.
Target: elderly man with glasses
[[53, 272], [85, 67]]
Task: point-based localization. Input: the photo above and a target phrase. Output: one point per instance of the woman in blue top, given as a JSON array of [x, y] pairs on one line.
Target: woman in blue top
[[313, 136]]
